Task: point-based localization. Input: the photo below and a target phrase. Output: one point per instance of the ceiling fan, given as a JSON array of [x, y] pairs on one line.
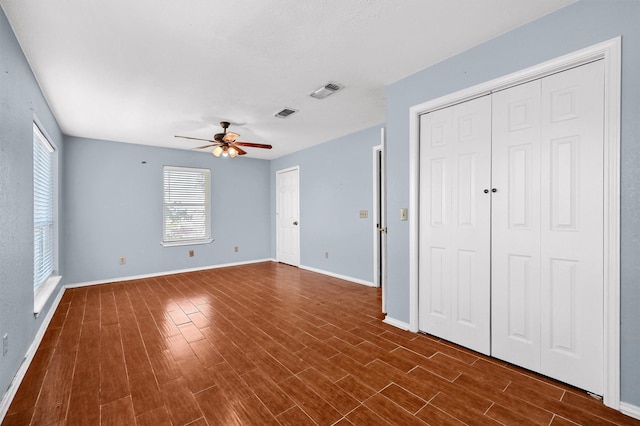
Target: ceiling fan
[[225, 143]]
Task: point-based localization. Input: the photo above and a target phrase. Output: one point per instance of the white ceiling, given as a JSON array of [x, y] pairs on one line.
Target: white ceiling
[[142, 71]]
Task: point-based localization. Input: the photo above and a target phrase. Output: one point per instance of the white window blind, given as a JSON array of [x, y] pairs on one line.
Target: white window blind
[[42, 208], [187, 210]]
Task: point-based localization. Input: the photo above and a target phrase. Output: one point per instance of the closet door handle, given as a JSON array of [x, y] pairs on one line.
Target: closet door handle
[[486, 191], [494, 190]]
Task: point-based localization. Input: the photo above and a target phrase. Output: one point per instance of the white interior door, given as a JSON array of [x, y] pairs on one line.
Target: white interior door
[[288, 216], [572, 271], [455, 167]]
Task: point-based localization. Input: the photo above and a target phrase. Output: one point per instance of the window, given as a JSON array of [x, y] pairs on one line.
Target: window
[[43, 209], [187, 209]]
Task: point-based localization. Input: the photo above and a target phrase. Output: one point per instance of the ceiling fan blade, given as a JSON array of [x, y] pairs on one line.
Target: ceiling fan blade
[[240, 150], [230, 137], [205, 146], [196, 139], [253, 145]]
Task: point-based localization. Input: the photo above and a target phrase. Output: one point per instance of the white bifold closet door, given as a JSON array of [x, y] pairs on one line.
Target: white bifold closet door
[[511, 225], [455, 168], [547, 226]]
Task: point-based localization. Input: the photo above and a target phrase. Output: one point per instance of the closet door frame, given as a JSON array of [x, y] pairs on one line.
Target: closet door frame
[[610, 52]]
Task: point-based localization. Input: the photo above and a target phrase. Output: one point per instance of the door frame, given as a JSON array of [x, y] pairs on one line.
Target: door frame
[[278, 172], [610, 52], [379, 219]]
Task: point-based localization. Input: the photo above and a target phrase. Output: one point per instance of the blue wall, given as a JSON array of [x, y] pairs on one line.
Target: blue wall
[[113, 209], [20, 100], [580, 25], [336, 182]]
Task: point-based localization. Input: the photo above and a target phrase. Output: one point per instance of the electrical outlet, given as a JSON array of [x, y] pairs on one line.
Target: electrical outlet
[[364, 214], [123, 260], [5, 344], [190, 253], [235, 249]]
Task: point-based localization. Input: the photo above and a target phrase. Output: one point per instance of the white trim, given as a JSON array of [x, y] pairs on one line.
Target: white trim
[[630, 410], [187, 242], [396, 323], [44, 292], [610, 51], [342, 277], [414, 197], [7, 398], [376, 220], [380, 198], [42, 128], [288, 169], [161, 274]]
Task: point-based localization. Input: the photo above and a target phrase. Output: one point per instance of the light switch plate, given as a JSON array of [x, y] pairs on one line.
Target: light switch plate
[[403, 214]]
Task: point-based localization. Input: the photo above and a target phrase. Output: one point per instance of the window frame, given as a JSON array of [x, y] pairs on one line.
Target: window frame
[[43, 287], [206, 239]]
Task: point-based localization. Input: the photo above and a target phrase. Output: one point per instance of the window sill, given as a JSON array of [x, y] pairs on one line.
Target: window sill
[[187, 243], [44, 293]]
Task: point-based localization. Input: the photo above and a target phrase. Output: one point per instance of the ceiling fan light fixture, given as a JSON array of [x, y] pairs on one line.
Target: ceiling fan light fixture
[[233, 153], [326, 90], [217, 151]]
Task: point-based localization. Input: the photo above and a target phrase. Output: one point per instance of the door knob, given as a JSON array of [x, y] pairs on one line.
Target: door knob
[[494, 190], [295, 222], [486, 191]]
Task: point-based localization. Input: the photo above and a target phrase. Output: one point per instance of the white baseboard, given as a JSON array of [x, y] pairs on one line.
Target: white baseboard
[[342, 277], [7, 398], [630, 410], [396, 323], [160, 274]]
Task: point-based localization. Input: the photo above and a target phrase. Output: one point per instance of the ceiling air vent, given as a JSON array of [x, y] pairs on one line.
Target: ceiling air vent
[[285, 112], [326, 90]]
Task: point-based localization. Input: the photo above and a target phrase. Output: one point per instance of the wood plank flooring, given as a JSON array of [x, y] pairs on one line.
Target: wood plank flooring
[[268, 344]]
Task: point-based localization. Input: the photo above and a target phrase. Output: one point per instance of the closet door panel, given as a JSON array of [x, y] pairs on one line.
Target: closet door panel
[[471, 232], [515, 292], [454, 224], [436, 141], [572, 226]]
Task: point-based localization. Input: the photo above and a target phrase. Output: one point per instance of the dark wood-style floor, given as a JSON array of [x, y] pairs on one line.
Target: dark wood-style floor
[[268, 344]]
